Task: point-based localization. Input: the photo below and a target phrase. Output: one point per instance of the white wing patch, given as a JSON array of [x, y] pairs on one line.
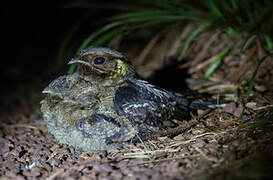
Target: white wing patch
[[153, 89], [129, 108]]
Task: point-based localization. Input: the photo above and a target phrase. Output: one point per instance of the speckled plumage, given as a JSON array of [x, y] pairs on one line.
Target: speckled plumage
[[104, 104]]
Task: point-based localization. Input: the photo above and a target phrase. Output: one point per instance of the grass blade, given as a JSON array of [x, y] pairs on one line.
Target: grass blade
[[105, 28], [189, 40], [90, 38], [269, 42], [162, 16], [234, 5], [252, 82], [216, 62], [107, 36], [214, 8], [230, 31]]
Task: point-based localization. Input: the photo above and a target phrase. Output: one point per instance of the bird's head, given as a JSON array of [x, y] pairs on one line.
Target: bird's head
[[102, 62]]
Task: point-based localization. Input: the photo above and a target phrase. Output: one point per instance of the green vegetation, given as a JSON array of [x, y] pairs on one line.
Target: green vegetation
[[216, 62], [234, 17], [252, 81]]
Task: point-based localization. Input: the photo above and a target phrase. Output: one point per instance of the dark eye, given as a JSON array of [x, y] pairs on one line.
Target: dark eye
[[99, 60]]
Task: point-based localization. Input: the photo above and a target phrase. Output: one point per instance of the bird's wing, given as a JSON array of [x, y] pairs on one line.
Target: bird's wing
[[60, 86], [188, 102], [141, 103]]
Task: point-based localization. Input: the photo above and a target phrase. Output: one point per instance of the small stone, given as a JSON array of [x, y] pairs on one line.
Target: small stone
[[4, 145], [55, 162]]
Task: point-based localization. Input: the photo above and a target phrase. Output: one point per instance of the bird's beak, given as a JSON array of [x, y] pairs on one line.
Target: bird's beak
[[73, 61]]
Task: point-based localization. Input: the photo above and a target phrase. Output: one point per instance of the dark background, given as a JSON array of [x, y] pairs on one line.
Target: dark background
[[32, 39]]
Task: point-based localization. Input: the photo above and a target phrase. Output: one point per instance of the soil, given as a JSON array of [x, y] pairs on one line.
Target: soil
[[219, 146]]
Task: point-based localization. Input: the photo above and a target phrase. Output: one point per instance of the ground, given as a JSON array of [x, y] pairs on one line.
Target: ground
[[217, 146]]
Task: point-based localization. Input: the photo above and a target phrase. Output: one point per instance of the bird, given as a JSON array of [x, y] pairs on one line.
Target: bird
[[105, 104]]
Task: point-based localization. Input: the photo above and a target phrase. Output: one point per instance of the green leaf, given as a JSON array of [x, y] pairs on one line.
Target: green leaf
[[90, 38], [189, 40], [252, 82], [269, 42], [107, 36], [61, 52], [230, 31], [216, 62], [153, 15], [214, 8], [234, 5]]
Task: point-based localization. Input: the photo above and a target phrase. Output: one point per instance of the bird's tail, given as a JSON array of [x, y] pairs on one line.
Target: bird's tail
[[198, 102]]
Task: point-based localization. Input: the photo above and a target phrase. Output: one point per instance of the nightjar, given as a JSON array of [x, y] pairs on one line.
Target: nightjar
[[104, 104]]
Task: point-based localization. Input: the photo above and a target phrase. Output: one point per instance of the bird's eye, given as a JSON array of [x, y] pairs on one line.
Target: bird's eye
[[99, 60]]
